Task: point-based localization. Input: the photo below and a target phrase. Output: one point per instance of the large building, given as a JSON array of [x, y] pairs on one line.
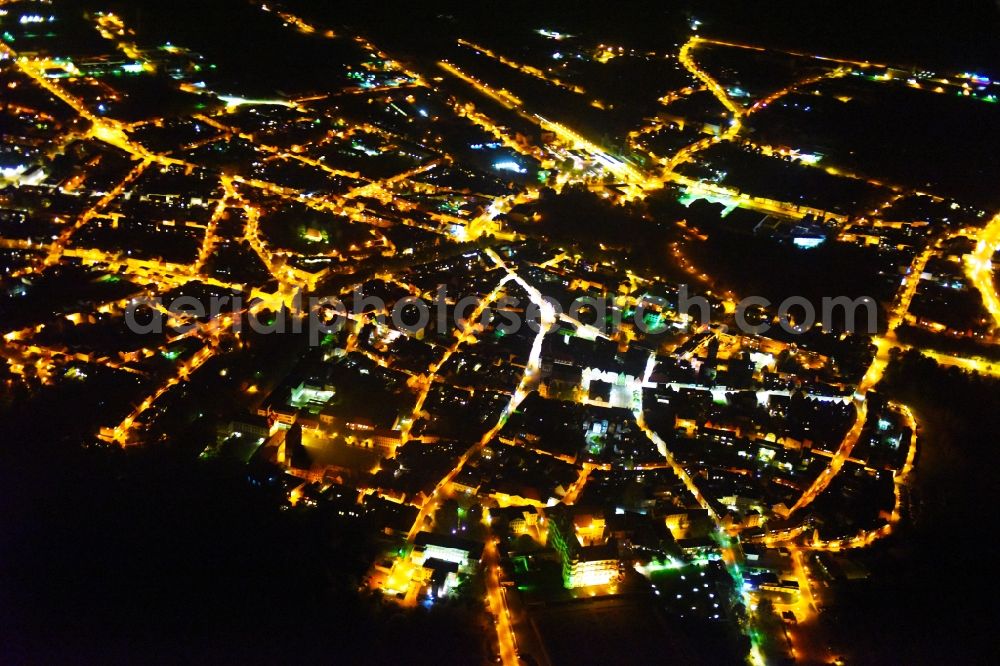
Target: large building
[[593, 564]]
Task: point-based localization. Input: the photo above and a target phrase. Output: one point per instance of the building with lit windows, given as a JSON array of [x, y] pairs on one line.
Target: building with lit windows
[[447, 548], [595, 564]]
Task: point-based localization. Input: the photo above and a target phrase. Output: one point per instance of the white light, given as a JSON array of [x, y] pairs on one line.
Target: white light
[[509, 165]]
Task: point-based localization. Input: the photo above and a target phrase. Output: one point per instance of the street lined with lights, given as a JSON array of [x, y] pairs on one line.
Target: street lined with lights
[[292, 196]]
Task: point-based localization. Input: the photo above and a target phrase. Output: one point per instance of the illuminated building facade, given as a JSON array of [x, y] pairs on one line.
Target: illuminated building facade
[[582, 565]]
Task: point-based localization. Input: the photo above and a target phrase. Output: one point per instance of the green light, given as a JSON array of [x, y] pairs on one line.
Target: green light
[[670, 564]]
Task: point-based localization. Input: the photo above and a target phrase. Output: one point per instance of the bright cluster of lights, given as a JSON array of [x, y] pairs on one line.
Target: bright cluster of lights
[[509, 165], [35, 18]]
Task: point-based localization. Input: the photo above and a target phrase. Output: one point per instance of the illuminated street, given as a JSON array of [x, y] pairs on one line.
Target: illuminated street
[[497, 333]]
